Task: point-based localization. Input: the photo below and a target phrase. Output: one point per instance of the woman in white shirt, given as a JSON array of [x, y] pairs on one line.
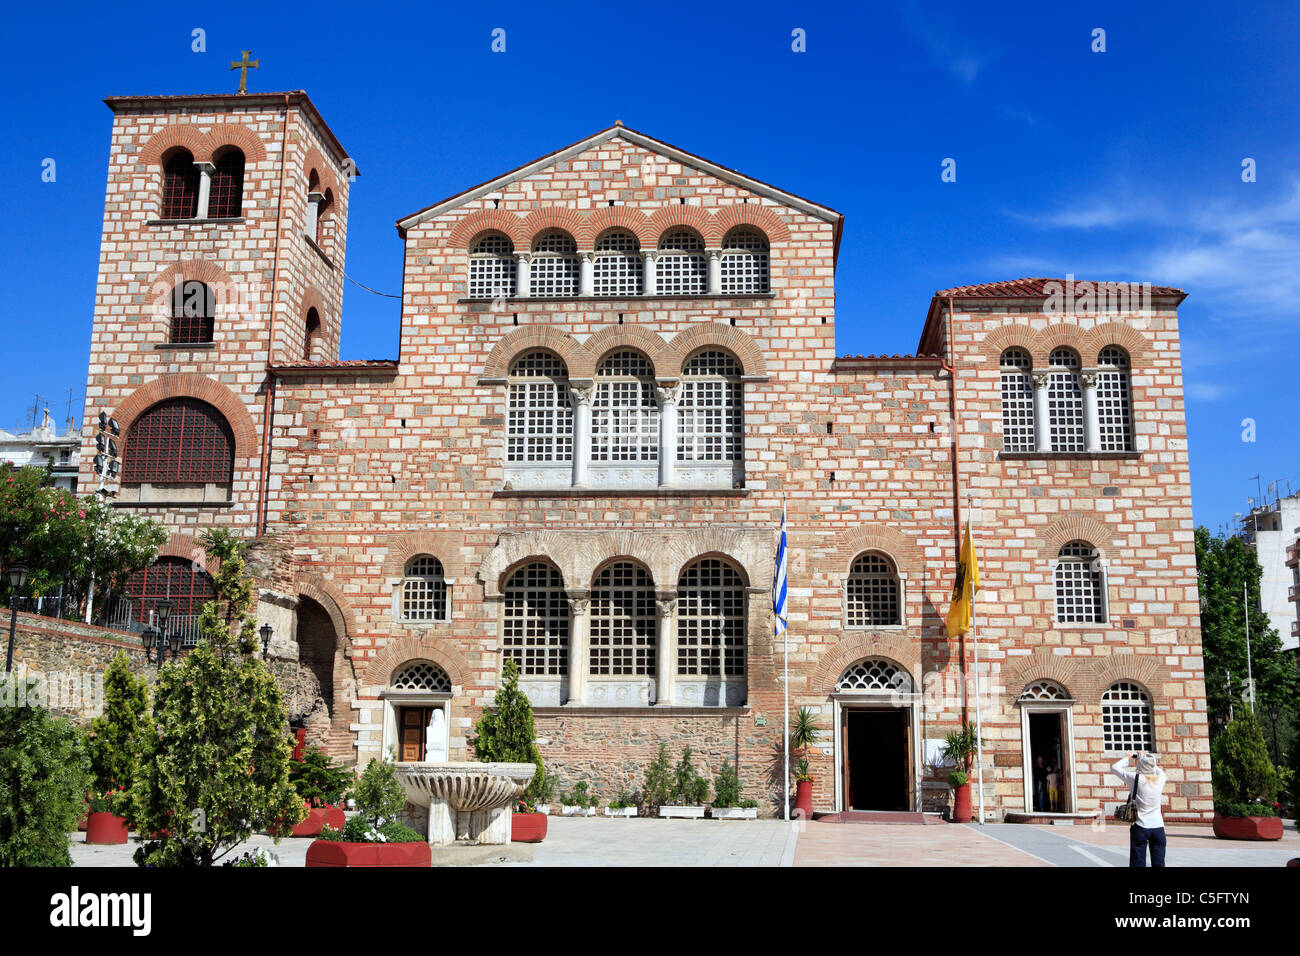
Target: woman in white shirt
[[1149, 827]]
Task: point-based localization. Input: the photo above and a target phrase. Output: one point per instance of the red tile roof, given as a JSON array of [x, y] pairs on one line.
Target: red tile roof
[[1027, 288]]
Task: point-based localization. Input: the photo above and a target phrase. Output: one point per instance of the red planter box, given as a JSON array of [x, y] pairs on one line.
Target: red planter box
[[1247, 828], [317, 818], [528, 827], [335, 853], [105, 829]]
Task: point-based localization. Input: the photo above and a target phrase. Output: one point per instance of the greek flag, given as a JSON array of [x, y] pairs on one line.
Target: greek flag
[[779, 582]]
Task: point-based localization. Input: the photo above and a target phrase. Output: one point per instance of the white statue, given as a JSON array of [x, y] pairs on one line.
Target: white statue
[[435, 736]]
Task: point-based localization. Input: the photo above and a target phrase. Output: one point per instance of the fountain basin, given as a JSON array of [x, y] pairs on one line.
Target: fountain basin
[[469, 803]]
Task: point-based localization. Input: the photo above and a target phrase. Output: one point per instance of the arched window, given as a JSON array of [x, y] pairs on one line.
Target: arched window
[[872, 593], [225, 201], [312, 334], [553, 269], [194, 309], [421, 675], [176, 580], [1043, 690], [624, 414], [536, 632], [539, 422], [710, 421], [623, 622], [1065, 401], [710, 620], [323, 214], [875, 674], [1017, 401], [1126, 724], [492, 267], [617, 267], [180, 192], [424, 590], [1114, 410], [680, 268], [1080, 585], [744, 262], [179, 441]]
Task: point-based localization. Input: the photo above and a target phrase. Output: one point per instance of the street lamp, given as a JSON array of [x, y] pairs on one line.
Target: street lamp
[[17, 579], [265, 631], [158, 637]]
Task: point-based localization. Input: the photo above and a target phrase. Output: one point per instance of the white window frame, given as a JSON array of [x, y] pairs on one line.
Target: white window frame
[[1108, 707], [554, 268], [711, 418], [1018, 397], [892, 574], [1114, 400], [746, 262], [492, 271], [681, 267], [400, 588], [1099, 567], [539, 414], [546, 635], [617, 268], [624, 413], [1067, 423]]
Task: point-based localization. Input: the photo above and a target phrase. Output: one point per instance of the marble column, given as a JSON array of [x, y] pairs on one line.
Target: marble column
[[666, 651], [205, 188], [1091, 420], [1042, 423], [715, 272], [313, 214], [586, 277], [648, 276], [582, 395], [521, 275], [578, 647], [668, 395]]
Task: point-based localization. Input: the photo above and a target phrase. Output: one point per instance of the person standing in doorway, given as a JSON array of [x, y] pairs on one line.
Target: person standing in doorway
[[1040, 784], [1149, 827], [1054, 788]]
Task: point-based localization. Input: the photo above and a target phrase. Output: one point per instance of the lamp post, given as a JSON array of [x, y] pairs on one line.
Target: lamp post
[[17, 579], [159, 637], [265, 631]]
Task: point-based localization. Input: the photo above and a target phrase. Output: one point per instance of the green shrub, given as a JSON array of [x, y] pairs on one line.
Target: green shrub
[[658, 781], [1233, 808], [689, 789], [119, 735], [44, 776], [578, 796], [507, 733], [624, 800], [1240, 768], [318, 779], [380, 797], [726, 786], [958, 778]]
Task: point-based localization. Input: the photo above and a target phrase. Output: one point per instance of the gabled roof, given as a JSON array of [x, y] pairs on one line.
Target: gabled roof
[[637, 139]]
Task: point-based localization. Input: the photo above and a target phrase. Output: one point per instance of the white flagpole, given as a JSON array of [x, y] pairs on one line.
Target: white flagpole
[[975, 639], [785, 729]]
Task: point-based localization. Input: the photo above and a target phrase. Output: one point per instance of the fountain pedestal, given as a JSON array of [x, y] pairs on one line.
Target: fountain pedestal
[[469, 803]]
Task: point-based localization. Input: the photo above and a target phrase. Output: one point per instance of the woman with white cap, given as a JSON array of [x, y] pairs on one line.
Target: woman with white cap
[[1149, 826]]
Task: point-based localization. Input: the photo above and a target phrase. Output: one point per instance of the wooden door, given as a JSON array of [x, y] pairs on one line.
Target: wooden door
[[414, 720]]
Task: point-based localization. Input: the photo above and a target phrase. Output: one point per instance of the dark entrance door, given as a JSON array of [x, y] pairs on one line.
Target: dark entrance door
[[877, 771], [1047, 741]]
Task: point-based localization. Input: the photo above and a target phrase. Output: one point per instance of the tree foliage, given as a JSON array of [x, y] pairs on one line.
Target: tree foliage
[[657, 788], [1242, 772], [118, 736], [507, 732]]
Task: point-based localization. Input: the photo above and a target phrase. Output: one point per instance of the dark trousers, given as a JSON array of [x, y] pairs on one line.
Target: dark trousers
[[1138, 838]]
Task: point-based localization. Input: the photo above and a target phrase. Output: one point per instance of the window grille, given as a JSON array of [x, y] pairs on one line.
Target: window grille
[[539, 421], [1126, 724], [424, 590], [554, 267], [225, 198], [422, 675], [180, 194], [624, 414], [492, 268], [680, 267], [194, 309], [536, 633], [875, 673], [1044, 690], [1114, 409], [744, 262], [710, 419], [174, 579], [1079, 577], [617, 269], [1017, 402], [873, 592], [1065, 401], [623, 622], [710, 620], [180, 441]]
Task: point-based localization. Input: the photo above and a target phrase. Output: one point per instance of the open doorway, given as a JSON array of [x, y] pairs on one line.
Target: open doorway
[[1050, 762], [877, 747]]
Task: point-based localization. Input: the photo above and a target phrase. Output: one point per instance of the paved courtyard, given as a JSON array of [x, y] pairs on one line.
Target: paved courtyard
[[692, 843]]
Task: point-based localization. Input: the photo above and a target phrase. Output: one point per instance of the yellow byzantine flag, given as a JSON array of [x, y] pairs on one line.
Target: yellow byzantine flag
[[963, 593]]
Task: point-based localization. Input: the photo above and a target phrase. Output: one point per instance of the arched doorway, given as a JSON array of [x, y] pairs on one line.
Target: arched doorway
[[320, 651], [1047, 747], [417, 712], [876, 730]]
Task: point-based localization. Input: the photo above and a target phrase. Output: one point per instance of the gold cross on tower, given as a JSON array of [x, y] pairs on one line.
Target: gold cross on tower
[[242, 67]]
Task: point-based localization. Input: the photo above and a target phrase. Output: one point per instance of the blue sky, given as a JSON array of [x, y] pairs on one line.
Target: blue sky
[[1120, 165]]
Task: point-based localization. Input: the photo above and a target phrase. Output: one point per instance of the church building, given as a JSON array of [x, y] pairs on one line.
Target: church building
[[617, 365]]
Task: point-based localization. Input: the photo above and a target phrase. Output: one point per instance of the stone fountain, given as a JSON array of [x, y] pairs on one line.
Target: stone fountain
[[469, 803]]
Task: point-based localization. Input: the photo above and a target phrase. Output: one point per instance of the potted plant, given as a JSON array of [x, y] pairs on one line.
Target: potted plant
[[1245, 783], [322, 785], [687, 792], [507, 733], [106, 825], [374, 837], [624, 805], [545, 793], [803, 735], [727, 802], [960, 747], [658, 781], [578, 802], [115, 740]]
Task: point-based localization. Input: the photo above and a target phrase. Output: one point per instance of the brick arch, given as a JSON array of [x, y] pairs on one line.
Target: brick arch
[[189, 547], [1059, 336], [712, 334], [1005, 337], [1072, 527], [740, 548], [614, 337], [512, 551], [836, 660], [520, 340], [446, 546], [191, 385], [1126, 337], [906, 553], [314, 160], [312, 299], [328, 595], [1043, 664], [396, 653], [185, 135], [667, 218], [564, 218], [1145, 670], [747, 214], [599, 550], [616, 217], [233, 134], [488, 220]]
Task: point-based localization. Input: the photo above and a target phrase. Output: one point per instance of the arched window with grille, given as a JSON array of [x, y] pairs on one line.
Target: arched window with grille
[[710, 410], [311, 335], [1080, 585], [225, 201], [680, 266], [492, 268], [873, 592], [1126, 722], [553, 267], [539, 421], [710, 620], [624, 413], [1114, 409], [745, 262], [424, 590], [172, 579], [1065, 400], [623, 622], [874, 674], [421, 676], [1017, 401], [194, 311], [180, 186], [179, 441], [616, 269], [535, 634]]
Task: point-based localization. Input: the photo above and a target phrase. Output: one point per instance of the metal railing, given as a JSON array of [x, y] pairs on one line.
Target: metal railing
[[116, 612]]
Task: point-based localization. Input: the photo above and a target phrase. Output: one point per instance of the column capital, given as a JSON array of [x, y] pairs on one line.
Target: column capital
[[1089, 377], [579, 601], [669, 391], [713, 253], [204, 166], [1041, 377], [666, 606], [582, 391]]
